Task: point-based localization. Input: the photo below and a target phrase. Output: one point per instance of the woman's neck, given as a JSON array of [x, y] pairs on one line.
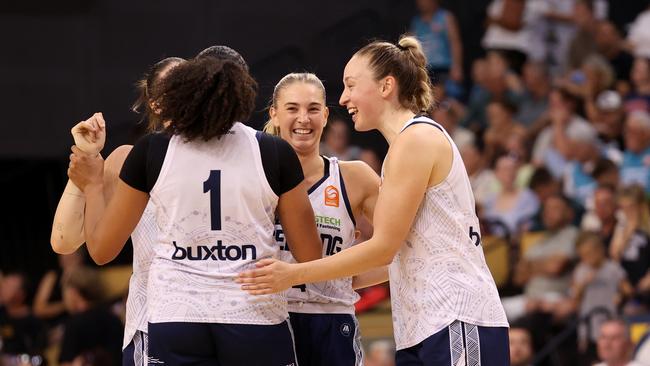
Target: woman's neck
[[312, 166], [393, 122]]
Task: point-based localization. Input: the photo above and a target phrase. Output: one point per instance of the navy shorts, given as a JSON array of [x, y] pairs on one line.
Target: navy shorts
[[476, 346], [199, 344], [135, 354], [326, 339]]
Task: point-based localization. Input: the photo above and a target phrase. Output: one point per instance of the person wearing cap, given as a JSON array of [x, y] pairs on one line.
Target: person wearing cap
[[607, 115], [635, 168]]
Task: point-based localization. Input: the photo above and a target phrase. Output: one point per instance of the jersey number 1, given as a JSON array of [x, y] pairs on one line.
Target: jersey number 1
[[213, 185]]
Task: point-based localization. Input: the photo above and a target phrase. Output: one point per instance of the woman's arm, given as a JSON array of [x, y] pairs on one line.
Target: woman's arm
[[406, 179], [297, 220], [43, 308]]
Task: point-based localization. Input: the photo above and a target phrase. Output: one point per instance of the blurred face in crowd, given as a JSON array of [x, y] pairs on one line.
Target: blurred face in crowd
[[479, 71], [605, 204], [426, 6], [607, 36], [533, 76], [471, 158], [300, 113], [11, 290], [584, 151], [362, 94], [337, 135], [640, 73], [445, 116], [506, 171], [637, 134], [591, 253], [498, 116], [557, 102], [521, 347], [556, 214], [582, 16], [613, 343]]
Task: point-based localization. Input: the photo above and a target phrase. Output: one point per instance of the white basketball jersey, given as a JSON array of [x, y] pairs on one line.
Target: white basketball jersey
[[215, 212], [439, 275], [143, 239], [334, 221]]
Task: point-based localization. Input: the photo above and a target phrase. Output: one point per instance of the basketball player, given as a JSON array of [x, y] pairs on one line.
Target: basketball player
[[446, 309], [68, 233], [322, 314]]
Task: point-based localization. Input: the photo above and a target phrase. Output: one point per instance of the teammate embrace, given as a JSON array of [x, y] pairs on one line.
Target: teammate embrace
[[203, 195]]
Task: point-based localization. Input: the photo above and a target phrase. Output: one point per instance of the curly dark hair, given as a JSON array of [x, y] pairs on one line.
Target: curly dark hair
[[204, 97]]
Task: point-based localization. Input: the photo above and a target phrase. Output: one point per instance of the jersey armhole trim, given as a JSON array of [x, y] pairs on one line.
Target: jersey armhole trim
[[256, 140], [326, 174], [345, 198], [167, 161]]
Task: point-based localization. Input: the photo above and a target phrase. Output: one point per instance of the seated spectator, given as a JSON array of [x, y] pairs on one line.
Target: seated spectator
[[337, 141], [501, 126], [598, 282], [521, 346], [380, 353], [20, 331], [579, 185], [631, 244], [544, 270], [583, 43], [639, 97], [602, 218], [512, 206], [609, 43], [534, 101], [548, 150], [493, 81], [544, 185], [635, 168], [614, 344], [607, 115], [447, 115], [82, 295], [484, 182], [48, 302]]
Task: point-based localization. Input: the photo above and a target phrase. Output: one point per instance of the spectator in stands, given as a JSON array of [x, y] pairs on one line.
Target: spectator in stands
[[512, 206], [521, 346], [380, 353], [609, 43], [447, 114], [544, 269], [638, 35], [484, 182], [602, 218], [606, 173], [598, 283], [501, 126], [82, 295], [583, 43], [607, 115], [614, 344], [635, 168], [337, 141], [639, 96], [583, 154], [48, 302], [495, 82], [20, 331], [534, 101], [550, 149], [631, 244], [437, 30]]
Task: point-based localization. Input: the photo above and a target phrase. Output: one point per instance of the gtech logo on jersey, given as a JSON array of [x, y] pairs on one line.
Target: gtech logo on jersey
[[215, 252], [331, 196]]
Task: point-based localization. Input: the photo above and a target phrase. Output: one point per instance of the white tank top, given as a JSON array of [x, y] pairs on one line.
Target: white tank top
[[439, 275], [143, 239], [215, 211], [336, 226]]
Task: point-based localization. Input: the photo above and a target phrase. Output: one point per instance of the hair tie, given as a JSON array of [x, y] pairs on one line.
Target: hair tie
[[401, 48]]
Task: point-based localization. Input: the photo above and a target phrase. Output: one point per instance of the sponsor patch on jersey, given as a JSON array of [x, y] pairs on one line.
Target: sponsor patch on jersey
[[331, 196]]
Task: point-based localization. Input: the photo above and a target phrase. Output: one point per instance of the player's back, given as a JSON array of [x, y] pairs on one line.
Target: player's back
[[215, 213]]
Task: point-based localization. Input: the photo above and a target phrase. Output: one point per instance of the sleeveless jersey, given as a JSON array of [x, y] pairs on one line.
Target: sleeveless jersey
[[215, 213], [336, 226], [439, 275], [143, 238]]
